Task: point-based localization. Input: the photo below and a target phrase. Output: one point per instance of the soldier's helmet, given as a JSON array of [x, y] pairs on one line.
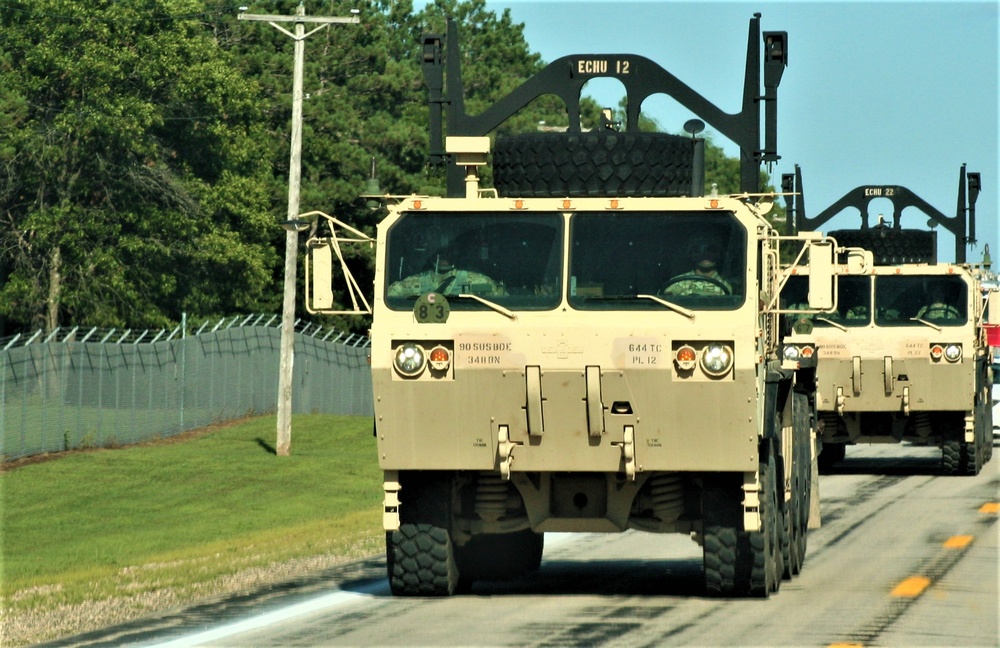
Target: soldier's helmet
[[705, 252]]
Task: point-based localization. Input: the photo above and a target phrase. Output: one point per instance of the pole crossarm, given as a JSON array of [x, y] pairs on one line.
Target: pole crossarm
[[324, 21], [302, 19]]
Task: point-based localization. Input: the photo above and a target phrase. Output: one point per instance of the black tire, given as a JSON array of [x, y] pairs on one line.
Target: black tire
[[501, 556], [790, 532], [831, 455], [722, 519], [798, 512], [420, 556], [423, 561], [891, 246], [960, 458], [596, 163], [759, 563]]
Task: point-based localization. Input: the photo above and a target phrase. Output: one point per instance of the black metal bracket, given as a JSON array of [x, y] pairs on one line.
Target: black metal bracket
[[962, 224], [641, 77]]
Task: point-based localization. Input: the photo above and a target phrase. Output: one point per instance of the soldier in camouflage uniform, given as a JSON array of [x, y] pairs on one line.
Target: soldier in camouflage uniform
[[704, 279], [938, 308], [446, 279]]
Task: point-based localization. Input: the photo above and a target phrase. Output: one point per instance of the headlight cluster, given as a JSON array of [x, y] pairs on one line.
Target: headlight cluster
[[798, 352], [715, 358], [950, 352], [410, 359]]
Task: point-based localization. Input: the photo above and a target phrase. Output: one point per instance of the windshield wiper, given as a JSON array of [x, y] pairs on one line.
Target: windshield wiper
[[671, 305], [832, 323], [495, 306], [930, 324]]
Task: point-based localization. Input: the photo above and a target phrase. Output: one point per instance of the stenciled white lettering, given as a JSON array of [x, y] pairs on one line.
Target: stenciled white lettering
[[484, 346], [591, 66]]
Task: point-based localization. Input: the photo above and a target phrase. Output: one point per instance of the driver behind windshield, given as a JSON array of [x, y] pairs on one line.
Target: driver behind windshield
[[703, 279], [446, 279]]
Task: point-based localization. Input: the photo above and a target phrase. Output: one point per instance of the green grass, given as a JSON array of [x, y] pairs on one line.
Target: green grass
[[106, 523]]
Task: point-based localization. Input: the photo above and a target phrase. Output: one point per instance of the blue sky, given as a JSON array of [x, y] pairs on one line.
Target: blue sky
[[892, 93]]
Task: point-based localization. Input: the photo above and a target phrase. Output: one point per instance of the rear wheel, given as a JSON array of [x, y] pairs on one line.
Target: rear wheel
[[797, 516], [759, 561]]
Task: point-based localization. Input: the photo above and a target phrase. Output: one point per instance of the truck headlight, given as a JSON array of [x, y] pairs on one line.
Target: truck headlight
[[791, 353], [953, 352], [717, 359], [409, 359]]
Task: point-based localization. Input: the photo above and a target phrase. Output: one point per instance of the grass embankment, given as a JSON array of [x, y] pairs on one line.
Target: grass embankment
[[108, 524]]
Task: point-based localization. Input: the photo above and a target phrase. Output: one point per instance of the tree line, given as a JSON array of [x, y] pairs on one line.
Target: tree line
[[144, 145]]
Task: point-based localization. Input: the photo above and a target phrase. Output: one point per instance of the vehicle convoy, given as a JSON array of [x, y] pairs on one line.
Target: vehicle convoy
[[593, 344], [906, 355]]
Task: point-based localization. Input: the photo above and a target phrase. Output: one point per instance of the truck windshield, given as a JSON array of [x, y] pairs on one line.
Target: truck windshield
[[696, 260], [511, 260], [907, 300], [900, 300]]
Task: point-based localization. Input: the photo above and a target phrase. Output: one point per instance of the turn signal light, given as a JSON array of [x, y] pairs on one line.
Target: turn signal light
[[439, 358], [686, 358]]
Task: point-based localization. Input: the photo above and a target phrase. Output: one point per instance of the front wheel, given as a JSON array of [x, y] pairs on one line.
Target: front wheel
[[423, 561], [420, 555]]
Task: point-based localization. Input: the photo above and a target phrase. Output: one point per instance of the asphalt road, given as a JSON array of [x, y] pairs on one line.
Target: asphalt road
[[905, 557]]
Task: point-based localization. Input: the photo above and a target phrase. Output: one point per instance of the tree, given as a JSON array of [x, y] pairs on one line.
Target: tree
[[144, 145], [133, 184]]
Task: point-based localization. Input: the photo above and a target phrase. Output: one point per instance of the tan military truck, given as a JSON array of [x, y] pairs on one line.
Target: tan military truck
[[592, 345], [905, 356]]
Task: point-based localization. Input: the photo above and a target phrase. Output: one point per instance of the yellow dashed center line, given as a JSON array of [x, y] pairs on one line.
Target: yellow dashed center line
[[958, 542], [845, 645], [911, 587], [990, 507]]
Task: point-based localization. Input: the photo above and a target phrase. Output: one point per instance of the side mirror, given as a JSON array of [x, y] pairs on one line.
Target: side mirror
[[859, 261], [319, 276], [821, 274], [993, 307]]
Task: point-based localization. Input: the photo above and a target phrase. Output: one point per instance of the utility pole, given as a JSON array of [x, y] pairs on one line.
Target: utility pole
[[287, 351]]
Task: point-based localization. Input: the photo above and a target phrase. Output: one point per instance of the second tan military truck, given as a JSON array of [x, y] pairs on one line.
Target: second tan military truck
[[905, 357]]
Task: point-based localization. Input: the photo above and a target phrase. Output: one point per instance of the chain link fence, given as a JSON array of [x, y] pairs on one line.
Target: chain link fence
[[88, 387]]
